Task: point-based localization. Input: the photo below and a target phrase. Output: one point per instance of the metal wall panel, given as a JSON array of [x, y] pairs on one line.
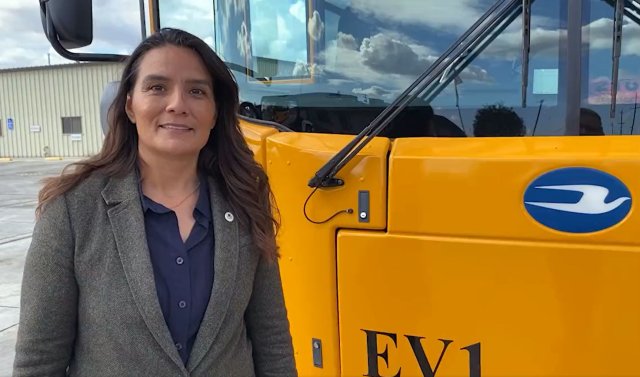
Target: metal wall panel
[[37, 99]]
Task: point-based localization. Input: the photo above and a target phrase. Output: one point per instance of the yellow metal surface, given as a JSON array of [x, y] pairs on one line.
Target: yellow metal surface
[[475, 187], [465, 283], [535, 308], [152, 4], [308, 262], [256, 138]]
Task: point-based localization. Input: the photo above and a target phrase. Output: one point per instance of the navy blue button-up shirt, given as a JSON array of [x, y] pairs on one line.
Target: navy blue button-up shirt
[[183, 270]]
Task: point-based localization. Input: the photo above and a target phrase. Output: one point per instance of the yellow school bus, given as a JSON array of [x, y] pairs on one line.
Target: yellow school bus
[[456, 179]]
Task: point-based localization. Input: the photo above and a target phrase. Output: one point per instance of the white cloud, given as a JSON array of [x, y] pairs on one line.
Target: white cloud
[[381, 55], [116, 29], [228, 18], [349, 63], [242, 41], [369, 69], [276, 33], [372, 91], [341, 82], [455, 15], [286, 45], [209, 41], [235, 7], [417, 46], [194, 16], [316, 26], [384, 54], [284, 33], [508, 46], [21, 36], [376, 92], [239, 5], [301, 70], [347, 42], [598, 36], [545, 41], [297, 10]]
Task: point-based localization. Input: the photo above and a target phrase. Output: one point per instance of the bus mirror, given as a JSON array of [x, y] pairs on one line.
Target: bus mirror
[[69, 22]]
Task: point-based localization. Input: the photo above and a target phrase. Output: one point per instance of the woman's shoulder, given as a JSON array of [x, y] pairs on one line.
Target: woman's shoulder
[[83, 194], [89, 188], [86, 198]]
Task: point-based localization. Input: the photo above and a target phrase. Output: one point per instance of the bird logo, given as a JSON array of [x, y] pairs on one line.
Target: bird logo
[[578, 200], [592, 201]]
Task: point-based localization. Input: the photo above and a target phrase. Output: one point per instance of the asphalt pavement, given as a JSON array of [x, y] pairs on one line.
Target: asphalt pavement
[[20, 182]]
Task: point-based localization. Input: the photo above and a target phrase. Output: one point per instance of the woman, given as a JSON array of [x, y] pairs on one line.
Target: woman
[[157, 257]]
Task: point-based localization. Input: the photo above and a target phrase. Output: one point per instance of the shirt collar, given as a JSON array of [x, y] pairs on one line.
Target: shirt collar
[[203, 206], [144, 201]]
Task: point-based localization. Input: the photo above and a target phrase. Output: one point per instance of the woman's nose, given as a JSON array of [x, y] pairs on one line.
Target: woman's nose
[[177, 103]]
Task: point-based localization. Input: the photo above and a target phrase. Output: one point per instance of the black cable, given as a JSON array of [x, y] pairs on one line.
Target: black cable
[[304, 210]]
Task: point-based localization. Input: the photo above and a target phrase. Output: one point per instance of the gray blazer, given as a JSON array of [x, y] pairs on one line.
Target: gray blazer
[[89, 305]]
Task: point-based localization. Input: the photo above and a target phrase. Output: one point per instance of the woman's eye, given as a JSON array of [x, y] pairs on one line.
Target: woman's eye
[[198, 92], [156, 88]]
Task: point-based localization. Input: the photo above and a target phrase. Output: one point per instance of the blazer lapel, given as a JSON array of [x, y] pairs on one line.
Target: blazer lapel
[[225, 228], [127, 221]]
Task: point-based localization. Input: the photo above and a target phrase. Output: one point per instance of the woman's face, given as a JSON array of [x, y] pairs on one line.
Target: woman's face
[[172, 103]]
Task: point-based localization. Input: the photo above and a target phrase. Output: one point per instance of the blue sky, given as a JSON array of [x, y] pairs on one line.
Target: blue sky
[[402, 38], [377, 60], [382, 47], [116, 30], [282, 29], [403, 34]]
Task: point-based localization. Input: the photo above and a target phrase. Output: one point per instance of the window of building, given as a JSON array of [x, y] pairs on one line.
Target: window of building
[[71, 125]]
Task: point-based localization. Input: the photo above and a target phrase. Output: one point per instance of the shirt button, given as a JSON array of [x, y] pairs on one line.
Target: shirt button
[[179, 260], [182, 304], [178, 346], [228, 216]]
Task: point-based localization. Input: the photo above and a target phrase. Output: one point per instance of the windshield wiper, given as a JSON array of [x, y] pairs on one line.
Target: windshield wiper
[[631, 10], [526, 48], [475, 47], [615, 55], [464, 47], [634, 12]]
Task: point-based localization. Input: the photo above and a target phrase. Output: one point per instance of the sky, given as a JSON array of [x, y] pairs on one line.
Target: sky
[[374, 50], [117, 30], [382, 46], [280, 25], [24, 44]]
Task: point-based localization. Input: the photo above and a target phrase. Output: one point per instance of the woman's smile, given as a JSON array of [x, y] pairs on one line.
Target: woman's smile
[[176, 127]]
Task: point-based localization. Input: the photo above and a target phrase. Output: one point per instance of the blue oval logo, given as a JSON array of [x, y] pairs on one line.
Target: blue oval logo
[[577, 200]]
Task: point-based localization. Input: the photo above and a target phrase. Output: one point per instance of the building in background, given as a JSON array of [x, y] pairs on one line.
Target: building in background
[[53, 111]]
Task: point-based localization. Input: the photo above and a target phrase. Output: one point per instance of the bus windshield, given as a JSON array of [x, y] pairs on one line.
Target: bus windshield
[[331, 66]]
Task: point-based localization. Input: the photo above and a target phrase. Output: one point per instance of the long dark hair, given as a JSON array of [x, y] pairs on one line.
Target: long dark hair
[[226, 156]]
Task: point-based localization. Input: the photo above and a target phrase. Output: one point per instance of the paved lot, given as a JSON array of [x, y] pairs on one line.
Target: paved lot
[[19, 186]]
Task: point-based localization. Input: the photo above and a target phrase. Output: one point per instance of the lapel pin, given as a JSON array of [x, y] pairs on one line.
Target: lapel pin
[[228, 216]]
